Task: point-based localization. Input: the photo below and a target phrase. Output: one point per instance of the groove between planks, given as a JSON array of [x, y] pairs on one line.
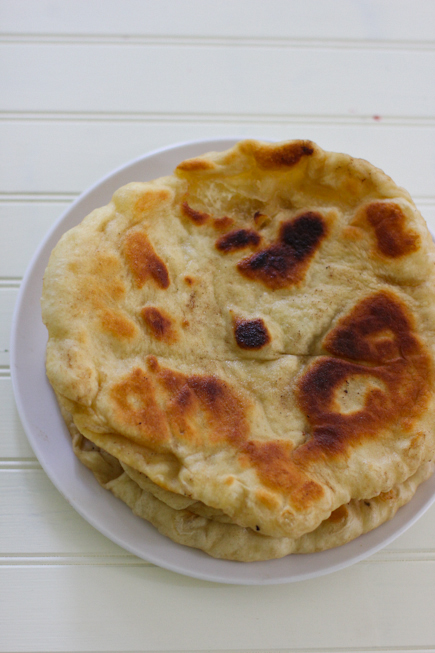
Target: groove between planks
[[41, 560], [371, 649], [43, 197], [10, 282], [98, 560], [124, 116], [21, 464], [204, 41]]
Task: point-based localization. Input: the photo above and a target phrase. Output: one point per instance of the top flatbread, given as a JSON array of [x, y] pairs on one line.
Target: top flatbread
[[254, 332]]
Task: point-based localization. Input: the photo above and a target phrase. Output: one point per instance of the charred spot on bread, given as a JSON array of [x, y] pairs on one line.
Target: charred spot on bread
[[251, 334], [285, 262], [238, 239]]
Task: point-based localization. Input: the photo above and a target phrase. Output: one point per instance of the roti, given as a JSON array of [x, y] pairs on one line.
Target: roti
[[254, 334], [192, 524]]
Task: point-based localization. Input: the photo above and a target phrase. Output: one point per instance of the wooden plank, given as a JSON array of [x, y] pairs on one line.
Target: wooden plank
[[7, 303], [13, 440], [342, 19], [147, 609], [36, 520], [168, 78], [24, 224], [69, 156], [419, 539]]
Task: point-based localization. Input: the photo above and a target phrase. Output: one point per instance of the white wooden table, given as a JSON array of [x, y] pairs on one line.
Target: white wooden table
[[87, 85]]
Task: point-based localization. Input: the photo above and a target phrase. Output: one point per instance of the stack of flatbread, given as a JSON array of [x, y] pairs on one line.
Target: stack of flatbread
[[243, 351]]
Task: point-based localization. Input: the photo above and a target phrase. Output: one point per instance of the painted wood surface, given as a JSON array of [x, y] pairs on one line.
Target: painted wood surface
[[88, 85], [141, 608]]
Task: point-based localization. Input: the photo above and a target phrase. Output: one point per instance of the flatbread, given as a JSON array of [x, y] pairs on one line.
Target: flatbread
[[232, 542], [191, 526], [254, 333]]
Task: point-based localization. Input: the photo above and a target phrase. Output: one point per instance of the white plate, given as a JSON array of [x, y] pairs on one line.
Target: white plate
[[51, 442]]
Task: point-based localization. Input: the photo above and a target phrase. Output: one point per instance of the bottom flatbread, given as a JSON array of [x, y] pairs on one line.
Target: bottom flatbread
[[214, 534], [233, 542]]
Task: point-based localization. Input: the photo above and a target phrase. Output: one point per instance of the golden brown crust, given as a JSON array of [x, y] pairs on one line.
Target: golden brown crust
[[197, 217], [392, 238], [223, 224], [149, 201], [159, 324], [135, 405], [143, 260], [285, 155], [117, 324], [193, 165]]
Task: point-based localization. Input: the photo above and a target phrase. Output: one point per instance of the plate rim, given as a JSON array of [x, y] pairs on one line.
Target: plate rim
[[261, 571]]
